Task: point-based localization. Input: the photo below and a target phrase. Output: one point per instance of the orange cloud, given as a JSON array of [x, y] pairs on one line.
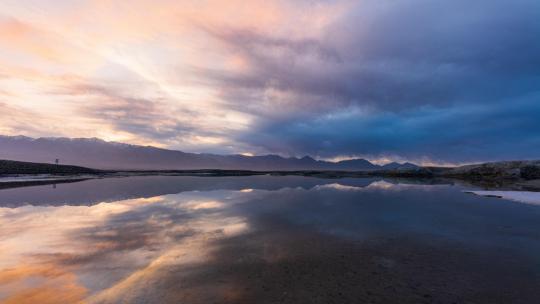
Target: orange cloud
[[59, 285]]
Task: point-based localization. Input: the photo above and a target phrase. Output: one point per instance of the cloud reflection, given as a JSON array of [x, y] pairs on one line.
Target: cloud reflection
[[97, 253]]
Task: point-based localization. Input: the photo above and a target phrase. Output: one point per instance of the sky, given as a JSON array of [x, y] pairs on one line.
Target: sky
[[430, 81]]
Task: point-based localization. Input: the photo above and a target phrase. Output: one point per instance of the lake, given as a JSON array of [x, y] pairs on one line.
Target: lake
[[265, 239]]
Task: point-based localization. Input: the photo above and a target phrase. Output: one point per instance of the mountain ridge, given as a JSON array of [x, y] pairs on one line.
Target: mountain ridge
[[100, 154]]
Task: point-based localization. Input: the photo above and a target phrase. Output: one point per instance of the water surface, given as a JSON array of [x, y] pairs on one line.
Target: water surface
[[264, 239]]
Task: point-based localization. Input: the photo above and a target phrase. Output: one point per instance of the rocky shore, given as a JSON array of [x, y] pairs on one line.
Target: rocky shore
[[515, 174]]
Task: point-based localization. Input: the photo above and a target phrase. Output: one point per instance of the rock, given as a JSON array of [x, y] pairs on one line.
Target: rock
[[498, 170], [530, 172]]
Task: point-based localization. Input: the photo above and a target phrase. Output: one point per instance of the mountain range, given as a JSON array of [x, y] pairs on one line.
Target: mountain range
[[100, 154]]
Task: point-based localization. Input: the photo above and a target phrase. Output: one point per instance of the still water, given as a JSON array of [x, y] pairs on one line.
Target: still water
[[264, 239]]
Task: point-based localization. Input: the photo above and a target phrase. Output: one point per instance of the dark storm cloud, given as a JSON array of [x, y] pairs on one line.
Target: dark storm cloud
[[448, 80], [466, 133]]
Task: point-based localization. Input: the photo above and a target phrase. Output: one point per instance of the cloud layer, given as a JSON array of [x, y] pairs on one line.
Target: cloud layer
[[419, 80]]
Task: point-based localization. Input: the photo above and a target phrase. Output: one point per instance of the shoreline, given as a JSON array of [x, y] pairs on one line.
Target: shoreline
[[518, 175], [24, 180]]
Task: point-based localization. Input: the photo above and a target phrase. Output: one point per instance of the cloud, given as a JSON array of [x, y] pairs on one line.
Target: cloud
[[396, 56], [416, 79], [456, 134], [451, 81], [151, 119]]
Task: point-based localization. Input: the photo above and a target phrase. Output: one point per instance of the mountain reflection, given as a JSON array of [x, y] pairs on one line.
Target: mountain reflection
[[90, 192]]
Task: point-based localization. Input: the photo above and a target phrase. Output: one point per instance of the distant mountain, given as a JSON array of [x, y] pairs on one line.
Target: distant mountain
[[99, 154], [398, 166]]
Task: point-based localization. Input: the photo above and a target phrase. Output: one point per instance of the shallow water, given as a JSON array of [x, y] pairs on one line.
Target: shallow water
[[264, 239]]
